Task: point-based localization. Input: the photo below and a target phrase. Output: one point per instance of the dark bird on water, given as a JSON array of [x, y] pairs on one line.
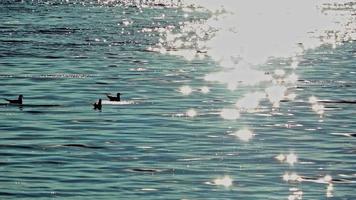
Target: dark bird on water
[[112, 98], [97, 105], [15, 101]]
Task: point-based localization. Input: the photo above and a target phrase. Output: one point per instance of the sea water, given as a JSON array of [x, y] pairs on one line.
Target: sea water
[[220, 99]]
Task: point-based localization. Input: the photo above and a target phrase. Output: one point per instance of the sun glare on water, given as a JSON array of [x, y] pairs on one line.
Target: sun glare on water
[[241, 38], [185, 90], [191, 113], [225, 181], [244, 135], [230, 114]]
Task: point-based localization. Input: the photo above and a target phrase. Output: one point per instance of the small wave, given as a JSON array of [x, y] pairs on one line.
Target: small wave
[[149, 189], [324, 181], [338, 101], [30, 105], [345, 134], [194, 159], [46, 76], [146, 170], [77, 146]]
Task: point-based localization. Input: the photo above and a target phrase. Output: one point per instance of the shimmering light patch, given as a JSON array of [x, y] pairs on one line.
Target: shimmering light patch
[[126, 22], [178, 115], [231, 86], [292, 177], [328, 178], [318, 108], [255, 30], [285, 177], [313, 100], [191, 113], [240, 76], [144, 147], [250, 101], [186, 54], [244, 134], [292, 78], [230, 114], [280, 157], [329, 190], [291, 96], [148, 189], [291, 159], [205, 89], [275, 94], [139, 69], [225, 181], [279, 72], [296, 195], [186, 90], [294, 64]]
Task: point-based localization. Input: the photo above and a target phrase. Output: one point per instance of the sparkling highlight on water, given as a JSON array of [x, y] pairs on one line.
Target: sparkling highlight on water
[[317, 107], [244, 135], [230, 114], [191, 113], [290, 158], [225, 181], [210, 88], [250, 101], [275, 94], [205, 90], [292, 177], [185, 90]]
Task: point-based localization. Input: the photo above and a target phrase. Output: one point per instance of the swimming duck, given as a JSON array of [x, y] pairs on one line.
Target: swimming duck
[[112, 98], [97, 105], [15, 101]]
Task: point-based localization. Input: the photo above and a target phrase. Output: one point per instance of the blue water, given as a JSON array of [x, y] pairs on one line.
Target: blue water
[[72, 54]]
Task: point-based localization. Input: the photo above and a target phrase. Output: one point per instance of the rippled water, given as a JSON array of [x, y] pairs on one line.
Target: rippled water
[[179, 135]]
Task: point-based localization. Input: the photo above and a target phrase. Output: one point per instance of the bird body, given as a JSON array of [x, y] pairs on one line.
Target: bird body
[[97, 105], [112, 98], [15, 101]]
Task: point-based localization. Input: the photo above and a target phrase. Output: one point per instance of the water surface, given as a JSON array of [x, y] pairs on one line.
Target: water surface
[[173, 139]]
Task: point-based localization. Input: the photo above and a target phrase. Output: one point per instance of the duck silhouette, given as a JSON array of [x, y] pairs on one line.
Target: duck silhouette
[[97, 105], [113, 98], [15, 101]]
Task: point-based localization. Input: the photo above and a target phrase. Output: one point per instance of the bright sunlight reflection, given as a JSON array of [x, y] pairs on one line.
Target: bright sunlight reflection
[[244, 135], [191, 113], [290, 158], [230, 114], [225, 181], [186, 90], [250, 101]]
